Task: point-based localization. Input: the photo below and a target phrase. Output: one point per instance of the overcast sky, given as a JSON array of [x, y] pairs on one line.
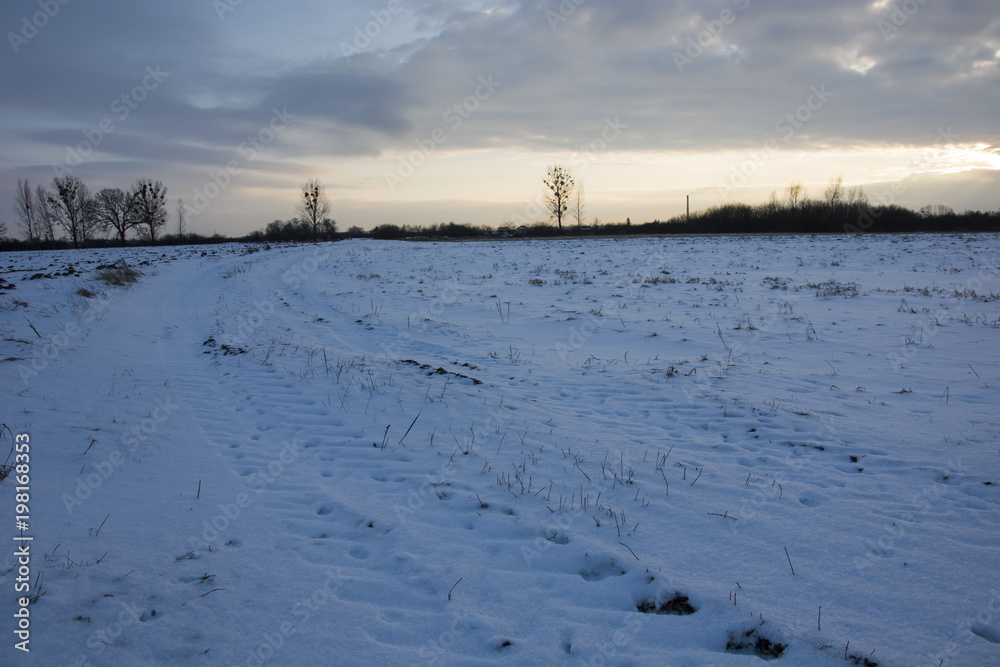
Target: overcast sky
[[437, 110]]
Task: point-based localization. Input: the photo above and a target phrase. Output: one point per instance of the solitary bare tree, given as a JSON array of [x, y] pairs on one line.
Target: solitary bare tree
[[560, 183], [181, 221], [150, 200], [579, 205], [26, 210], [314, 205], [116, 211]]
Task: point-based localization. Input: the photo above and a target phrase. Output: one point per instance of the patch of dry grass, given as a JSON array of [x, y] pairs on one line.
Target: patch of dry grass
[[118, 275]]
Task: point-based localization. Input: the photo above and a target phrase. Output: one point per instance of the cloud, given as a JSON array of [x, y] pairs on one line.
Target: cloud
[[712, 77]]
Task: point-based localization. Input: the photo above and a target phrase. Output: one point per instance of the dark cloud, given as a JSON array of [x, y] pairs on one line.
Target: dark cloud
[[698, 76]]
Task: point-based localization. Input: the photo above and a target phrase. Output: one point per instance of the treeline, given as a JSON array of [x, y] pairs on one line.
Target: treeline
[[9, 244], [114, 217], [841, 211], [68, 207], [448, 230], [808, 217], [296, 229], [815, 217]]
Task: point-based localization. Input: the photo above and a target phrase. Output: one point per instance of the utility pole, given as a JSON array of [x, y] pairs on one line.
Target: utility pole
[[689, 208]]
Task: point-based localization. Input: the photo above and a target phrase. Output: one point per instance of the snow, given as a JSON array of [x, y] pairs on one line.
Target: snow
[[496, 452]]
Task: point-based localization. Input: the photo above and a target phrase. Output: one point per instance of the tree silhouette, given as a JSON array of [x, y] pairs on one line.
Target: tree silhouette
[[560, 183], [71, 208], [579, 205], [314, 206], [46, 218], [115, 210], [796, 196], [26, 210], [150, 199]]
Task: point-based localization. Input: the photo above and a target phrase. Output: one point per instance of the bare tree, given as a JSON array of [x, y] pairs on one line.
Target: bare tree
[[26, 210], [314, 205], [91, 227], [150, 200], [795, 195], [579, 205], [772, 206], [181, 222], [560, 183], [115, 211], [857, 201], [45, 217], [834, 193], [69, 206]]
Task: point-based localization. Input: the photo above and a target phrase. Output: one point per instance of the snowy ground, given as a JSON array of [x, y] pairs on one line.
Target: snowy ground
[[483, 453]]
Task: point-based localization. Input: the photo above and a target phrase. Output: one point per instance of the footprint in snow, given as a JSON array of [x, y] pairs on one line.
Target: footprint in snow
[[989, 634], [812, 499], [598, 569]]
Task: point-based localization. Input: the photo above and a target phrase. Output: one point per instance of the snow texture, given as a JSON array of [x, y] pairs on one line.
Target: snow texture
[[668, 451]]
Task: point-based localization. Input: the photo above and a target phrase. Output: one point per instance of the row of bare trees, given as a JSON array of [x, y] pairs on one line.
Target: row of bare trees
[[69, 206], [838, 200]]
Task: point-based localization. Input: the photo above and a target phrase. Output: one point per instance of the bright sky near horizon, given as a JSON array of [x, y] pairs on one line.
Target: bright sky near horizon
[[424, 111]]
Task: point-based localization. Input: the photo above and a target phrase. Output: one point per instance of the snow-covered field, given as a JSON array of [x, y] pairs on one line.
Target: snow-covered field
[[513, 452]]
